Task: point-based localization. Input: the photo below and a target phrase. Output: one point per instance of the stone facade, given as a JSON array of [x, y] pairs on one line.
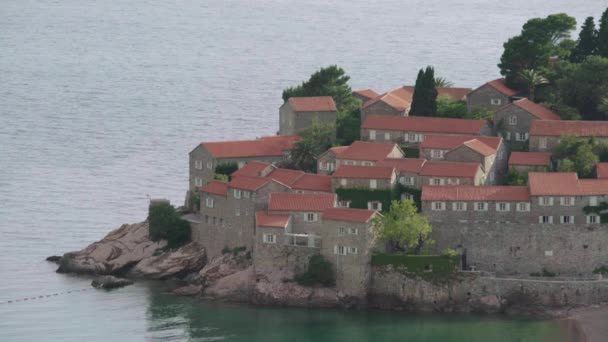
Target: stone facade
[[381, 108], [364, 183], [407, 138], [292, 122], [486, 97], [478, 179], [495, 166], [514, 123]]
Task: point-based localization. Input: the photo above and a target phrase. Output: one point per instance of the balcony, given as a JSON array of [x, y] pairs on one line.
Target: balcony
[[302, 240]]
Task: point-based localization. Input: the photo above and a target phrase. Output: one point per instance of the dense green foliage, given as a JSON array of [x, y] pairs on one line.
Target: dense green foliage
[[543, 273], [584, 85], [602, 35], [195, 200], [603, 270], [448, 108], [320, 271], [531, 79], [586, 45], [431, 266], [424, 100], [226, 168], [348, 126], [410, 152], [580, 155], [601, 210], [166, 224], [221, 177], [402, 228], [517, 178], [315, 140]]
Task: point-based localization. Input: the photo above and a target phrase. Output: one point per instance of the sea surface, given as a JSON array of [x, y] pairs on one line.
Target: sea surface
[[101, 101]]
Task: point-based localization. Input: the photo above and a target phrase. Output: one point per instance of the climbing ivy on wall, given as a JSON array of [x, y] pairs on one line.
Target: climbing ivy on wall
[[601, 210], [359, 197]]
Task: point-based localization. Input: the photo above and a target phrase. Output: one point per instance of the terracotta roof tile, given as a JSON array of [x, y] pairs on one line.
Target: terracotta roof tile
[[537, 110], [338, 150], [553, 183], [411, 165], [530, 158], [448, 142], [312, 104], [601, 170], [263, 219], [216, 187], [285, 176], [347, 214], [365, 150], [369, 93], [479, 146], [563, 127], [368, 172], [313, 182], [501, 86], [282, 201], [450, 169], [269, 146], [451, 92], [423, 124], [476, 193], [247, 183], [591, 187], [252, 169], [399, 98]]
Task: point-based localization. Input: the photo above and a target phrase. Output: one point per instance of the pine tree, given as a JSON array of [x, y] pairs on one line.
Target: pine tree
[[602, 36], [586, 45], [424, 100]]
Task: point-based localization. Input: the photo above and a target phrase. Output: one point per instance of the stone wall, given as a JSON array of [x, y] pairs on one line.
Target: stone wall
[[380, 108], [268, 258], [481, 97]]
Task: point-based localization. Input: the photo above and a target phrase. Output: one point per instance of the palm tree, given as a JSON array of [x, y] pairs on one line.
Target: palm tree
[[441, 82], [532, 79]]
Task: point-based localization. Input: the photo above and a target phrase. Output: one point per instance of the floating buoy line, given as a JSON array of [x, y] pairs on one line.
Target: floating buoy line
[[46, 296]]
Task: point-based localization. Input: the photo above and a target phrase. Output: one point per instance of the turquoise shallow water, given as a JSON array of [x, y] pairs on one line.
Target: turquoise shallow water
[[101, 101]]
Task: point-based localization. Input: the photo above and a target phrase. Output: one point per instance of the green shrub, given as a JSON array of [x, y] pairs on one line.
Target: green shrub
[[226, 168], [226, 250], [320, 271], [166, 224], [221, 177], [439, 265], [195, 200], [603, 270], [410, 152], [450, 253]]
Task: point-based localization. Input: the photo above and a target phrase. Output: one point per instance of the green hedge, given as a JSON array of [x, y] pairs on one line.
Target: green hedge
[[226, 168], [439, 265], [359, 196]]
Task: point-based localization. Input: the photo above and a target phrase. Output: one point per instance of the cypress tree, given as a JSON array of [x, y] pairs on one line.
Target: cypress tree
[[432, 91], [602, 36], [586, 43], [424, 100]]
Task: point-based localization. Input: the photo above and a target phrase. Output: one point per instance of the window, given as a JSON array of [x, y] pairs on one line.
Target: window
[[340, 250], [567, 201], [481, 206], [237, 193], [372, 134], [545, 201], [198, 164], [240, 164], [409, 180], [436, 181], [566, 219], [373, 184], [374, 205], [209, 202], [352, 250], [492, 177], [508, 135], [310, 217], [496, 102], [593, 219], [459, 206], [237, 212], [438, 205], [523, 206], [413, 137], [198, 182], [353, 231], [545, 219], [513, 120], [521, 136], [270, 238], [214, 220], [210, 165], [221, 222], [344, 204], [246, 194], [343, 181], [542, 143], [341, 231], [502, 206], [323, 165], [407, 197], [331, 166], [453, 181], [437, 154], [593, 201], [207, 219], [387, 136], [366, 163]]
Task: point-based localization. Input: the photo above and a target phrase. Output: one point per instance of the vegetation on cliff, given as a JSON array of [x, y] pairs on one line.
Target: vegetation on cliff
[[320, 271], [403, 229], [166, 224]]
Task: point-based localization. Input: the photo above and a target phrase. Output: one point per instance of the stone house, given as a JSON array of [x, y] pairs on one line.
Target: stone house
[[524, 162], [295, 180], [513, 120], [208, 155], [305, 212], [411, 130], [407, 170], [298, 113], [326, 162], [545, 134], [364, 177], [360, 153], [452, 173], [490, 96], [365, 95]]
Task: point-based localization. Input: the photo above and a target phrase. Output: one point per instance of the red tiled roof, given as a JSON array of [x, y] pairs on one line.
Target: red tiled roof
[[530, 158], [590, 187], [369, 93], [282, 201], [423, 124], [578, 128], [451, 92], [339, 149], [263, 219], [448, 142], [251, 169], [411, 165], [479, 146], [216, 187], [500, 85], [312, 104], [553, 183], [347, 214], [313, 182], [285, 176], [269, 146], [450, 169], [601, 170], [247, 183], [399, 98], [475, 193], [369, 172], [537, 110], [365, 150]]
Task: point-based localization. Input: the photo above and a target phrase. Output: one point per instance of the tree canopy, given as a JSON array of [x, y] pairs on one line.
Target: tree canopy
[[586, 45], [584, 85], [602, 35], [424, 100], [580, 155], [315, 140], [403, 228]]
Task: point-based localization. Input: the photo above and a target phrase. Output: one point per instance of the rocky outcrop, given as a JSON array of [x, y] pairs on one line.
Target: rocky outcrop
[[110, 282], [179, 263], [116, 252], [228, 277], [279, 288]]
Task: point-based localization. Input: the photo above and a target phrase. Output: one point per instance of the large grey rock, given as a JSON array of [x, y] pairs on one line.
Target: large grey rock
[[277, 288], [110, 282], [178, 263], [116, 252]]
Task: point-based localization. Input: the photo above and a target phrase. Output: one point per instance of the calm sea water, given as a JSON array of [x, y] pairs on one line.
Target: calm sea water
[[101, 101]]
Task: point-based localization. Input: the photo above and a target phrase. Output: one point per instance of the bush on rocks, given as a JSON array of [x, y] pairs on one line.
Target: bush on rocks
[[320, 271], [167, 224]]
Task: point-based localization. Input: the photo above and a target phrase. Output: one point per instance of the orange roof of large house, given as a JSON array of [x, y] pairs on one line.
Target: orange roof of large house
[[264, 219], [450, 169], [269, 146], [251, 169], [216, 187], [475, 193], [553, 183], [601, 170], [312, 182], [451, 92], [282, 201], [591, 187], [365, 150], [312, 104], [369, 93], [285, 176], [480, 147], [411, 165], [501, 86], [539, 111], [530, 158], [347, 214], [337, 150], [563, 127], [369, 172], [483, 144], [423, 124], [399, 98], [247, 183]]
